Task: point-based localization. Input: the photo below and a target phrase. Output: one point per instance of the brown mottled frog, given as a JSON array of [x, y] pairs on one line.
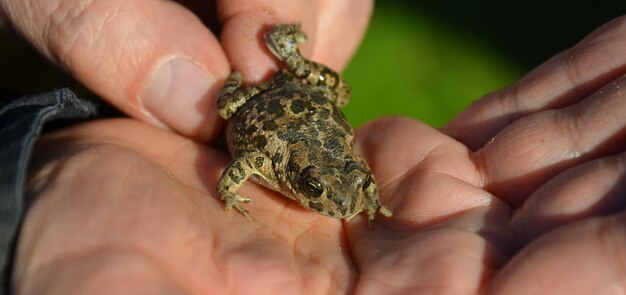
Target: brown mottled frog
[[289, 135]]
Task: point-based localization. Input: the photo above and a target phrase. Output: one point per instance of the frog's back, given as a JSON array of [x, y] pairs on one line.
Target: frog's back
[[283, 116]]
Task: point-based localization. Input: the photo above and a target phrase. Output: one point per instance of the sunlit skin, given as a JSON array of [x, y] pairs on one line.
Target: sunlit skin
[[522, 193], [517, 213]]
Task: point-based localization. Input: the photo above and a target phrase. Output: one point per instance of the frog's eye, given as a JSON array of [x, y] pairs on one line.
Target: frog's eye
[[367, 182], [312, 187]]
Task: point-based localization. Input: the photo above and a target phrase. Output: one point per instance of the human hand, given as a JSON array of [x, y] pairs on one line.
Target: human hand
[[522, 193], [156, 60]]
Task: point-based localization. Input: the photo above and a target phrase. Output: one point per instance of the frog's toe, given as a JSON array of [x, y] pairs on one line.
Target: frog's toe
[[385, 211], [243, 211], [241, 199]]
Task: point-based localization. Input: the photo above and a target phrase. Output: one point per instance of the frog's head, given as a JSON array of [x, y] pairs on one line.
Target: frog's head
[[336, 191]]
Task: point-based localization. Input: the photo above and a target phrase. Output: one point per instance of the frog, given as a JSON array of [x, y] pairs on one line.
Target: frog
[[289, 135]]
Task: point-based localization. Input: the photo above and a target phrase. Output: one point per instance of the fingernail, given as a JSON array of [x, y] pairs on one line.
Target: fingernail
[[178, 95]]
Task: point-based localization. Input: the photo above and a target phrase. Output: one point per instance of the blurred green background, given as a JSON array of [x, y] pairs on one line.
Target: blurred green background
[[423, 59], [430, 59]]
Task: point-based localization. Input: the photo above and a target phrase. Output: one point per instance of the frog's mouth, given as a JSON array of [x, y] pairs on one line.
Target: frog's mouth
[[349, 210], [332, 209]]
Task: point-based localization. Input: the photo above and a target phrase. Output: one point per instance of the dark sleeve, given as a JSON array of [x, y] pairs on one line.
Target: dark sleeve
[[21, 122]]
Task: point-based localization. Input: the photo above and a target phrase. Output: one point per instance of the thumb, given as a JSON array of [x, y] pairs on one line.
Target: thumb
[[154, 60]]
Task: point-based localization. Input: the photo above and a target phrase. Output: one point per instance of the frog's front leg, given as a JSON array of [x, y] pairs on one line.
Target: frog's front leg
[[372, 203], [283, 41], [236, 173], [233, 96]]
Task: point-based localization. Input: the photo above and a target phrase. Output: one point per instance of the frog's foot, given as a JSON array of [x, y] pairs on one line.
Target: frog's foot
[[372, 203], [283, 41], [233, 96], [371, 214], [233, 200]]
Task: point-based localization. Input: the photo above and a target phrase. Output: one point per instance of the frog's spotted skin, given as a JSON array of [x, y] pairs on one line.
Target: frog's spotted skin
[[289, 135]]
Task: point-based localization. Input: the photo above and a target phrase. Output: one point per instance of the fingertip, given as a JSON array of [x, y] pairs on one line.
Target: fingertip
[[243, 43], [341, 27], [242, 36]]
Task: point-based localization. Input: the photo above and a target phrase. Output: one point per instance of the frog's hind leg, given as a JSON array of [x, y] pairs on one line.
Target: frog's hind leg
[[233, 95], [283, 42]]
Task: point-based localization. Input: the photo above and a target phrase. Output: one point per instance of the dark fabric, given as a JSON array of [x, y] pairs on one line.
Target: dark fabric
[[21, 122]]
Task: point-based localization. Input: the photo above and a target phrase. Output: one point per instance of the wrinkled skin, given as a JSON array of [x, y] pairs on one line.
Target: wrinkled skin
[[522, 193]]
